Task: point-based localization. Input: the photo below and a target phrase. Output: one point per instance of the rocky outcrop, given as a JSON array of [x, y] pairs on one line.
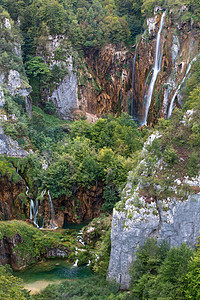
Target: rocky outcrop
[[8, 254], [9, 147], [64, 96], [57, 252], [155, 203], [98, 83], [174, 221], [57, 53]]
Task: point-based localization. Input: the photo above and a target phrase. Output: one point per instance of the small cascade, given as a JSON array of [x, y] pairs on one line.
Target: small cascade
[[76, 262], [27, 189], [171, 107], [133, 104], [80, 238], [52, 212], [34, 212], [156, 70]]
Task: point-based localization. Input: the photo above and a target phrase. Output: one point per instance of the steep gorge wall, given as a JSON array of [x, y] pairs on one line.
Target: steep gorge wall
[[154, 204], [104, 87], [180, 41], [95, 83]]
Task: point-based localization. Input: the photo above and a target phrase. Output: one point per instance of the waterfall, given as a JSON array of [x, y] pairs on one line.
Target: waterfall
[[27, 189], [171, 107], [52, 212], [34, 212], [156, 70], [133, 113], [33, 209]]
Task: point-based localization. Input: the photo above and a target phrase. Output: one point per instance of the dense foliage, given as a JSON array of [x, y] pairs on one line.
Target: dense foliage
[[87, 154], [11, 287], [90, 288], [87, 23], [160, 273]]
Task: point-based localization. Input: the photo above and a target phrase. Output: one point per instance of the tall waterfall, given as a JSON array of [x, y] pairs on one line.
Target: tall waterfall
[[52, 212], [133, 112], [156, 70], [171, 107]]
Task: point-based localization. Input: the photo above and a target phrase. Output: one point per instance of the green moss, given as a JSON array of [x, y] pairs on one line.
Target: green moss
[[7, 169], [34, 244]]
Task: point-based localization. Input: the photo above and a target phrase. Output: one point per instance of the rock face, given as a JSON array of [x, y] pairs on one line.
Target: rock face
[[7, 253], [104, 81], [177, 222], [64, 95], [85, 206], [12, 80], [10, 202], [9, 147], [64, 92]]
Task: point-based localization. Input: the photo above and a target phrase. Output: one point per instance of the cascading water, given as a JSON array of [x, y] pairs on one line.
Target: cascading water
[[156, 70], [171, 107], [52, 212], [34, 212], [33, 209]]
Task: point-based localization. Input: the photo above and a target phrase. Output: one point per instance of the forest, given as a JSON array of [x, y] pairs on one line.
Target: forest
[[98, 171]]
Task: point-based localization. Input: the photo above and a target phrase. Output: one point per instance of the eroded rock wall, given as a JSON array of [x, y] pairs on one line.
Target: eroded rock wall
[[105, 80], [11, 204], [84, 205], [179, 43]]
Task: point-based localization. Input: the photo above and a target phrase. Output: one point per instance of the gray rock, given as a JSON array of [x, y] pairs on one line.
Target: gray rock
[[57, 252], [10, 147], [64, 96], [175, 221]]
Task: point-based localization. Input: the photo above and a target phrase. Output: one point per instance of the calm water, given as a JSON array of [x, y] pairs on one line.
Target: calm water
[[76, 227], [40, 275]]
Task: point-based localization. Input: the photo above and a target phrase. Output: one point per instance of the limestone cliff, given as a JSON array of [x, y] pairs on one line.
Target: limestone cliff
[[153, 204], [95, 83], [59, 55], [175, 221], [13, 79], [105, 80]]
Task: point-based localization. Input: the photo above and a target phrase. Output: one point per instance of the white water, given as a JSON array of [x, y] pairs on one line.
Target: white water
[[80, 238], [156, 70], [34, 212], [52, 212], [171, 107], [27, 189]]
